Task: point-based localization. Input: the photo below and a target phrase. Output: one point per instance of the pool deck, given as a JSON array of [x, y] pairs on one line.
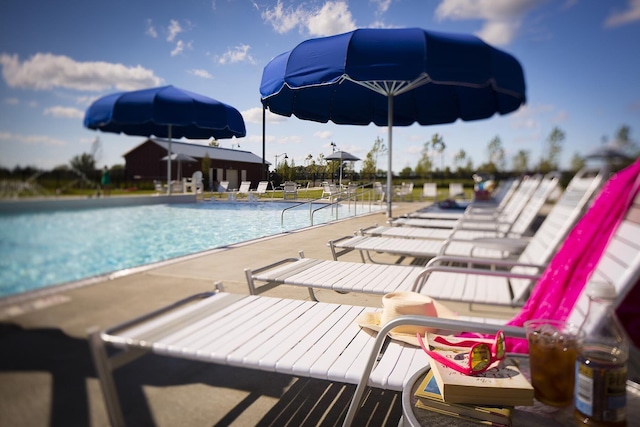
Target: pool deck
[[47, 376]]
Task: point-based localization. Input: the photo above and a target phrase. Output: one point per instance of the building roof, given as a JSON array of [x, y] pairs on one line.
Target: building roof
[[197, 150]]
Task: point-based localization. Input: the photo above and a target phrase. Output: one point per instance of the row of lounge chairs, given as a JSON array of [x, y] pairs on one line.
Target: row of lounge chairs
[[322, 340]]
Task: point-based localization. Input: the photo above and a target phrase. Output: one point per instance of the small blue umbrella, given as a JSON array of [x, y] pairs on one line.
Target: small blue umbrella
[[165, 112], [393, 77]]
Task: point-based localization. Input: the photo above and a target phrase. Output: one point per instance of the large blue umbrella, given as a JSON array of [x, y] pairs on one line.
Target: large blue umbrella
[[393, 77], [165, 112]]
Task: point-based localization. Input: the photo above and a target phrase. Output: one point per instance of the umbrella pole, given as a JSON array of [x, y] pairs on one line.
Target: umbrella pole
[[169, 163], [390, 138]]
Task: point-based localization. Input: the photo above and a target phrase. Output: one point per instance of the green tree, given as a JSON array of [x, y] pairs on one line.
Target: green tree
[[424, 166], [370, 163], [623, 140], [521, 161], [462, 163], [84, 163], [577, 162], [437, 143], [496, 157], [553, 148], [406, 173]]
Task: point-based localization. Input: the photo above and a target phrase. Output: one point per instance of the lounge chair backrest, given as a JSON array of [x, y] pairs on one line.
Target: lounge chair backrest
[[512, 209], [245, 186], [290, 189], [456, 190], [430, 190], [572, 205], [505, 190], [619, 265], [223, 186], [537, 200], [262, 188]]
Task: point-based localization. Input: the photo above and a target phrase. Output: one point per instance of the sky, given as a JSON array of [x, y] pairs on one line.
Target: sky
[[581, 60]]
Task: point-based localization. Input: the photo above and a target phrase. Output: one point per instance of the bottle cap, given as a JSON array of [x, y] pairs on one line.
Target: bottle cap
[[601, 290]]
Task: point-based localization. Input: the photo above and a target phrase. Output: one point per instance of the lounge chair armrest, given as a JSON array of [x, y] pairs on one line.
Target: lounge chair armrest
[[505, 244], [248, 272], [339, 252], [424, 275], [482, 261]]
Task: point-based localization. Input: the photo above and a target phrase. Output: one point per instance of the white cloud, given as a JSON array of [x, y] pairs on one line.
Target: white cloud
[[237, 54], [64, 112], [383, 5], [174, 29], [32, 139], [254, 115], [325, 134], [45, 71], [178, 49], [11, 101], [200, 73], [151, 31], [632, 14], [503, 18], [331, 18]]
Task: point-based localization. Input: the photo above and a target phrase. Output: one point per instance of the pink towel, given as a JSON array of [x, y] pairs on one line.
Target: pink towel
[[558, 288]]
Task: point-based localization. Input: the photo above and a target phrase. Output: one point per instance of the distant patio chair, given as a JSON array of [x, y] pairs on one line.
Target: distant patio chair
[[290, 189], [329, 190], [193, 184], [262, 188], [405, 190], [378, 191], [456, 191], [429, 191], [158, 186], [245, 188]]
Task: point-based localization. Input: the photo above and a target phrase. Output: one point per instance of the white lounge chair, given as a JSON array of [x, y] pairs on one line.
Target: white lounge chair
[[245, 188], [194, 184], [290, 190], [307, 339], [429, 191], [456, 191], [262, 188], [405, 190], [431, 242], [223, 187], [330, 191]]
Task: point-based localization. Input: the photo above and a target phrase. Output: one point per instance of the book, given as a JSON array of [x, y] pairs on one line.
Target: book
[[503, 384], [429, 397]]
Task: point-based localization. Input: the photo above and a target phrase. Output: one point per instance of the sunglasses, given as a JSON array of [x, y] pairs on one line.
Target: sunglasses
[[481, 355]]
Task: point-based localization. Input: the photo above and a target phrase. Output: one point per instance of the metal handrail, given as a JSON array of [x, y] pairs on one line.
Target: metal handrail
[[312, 211]]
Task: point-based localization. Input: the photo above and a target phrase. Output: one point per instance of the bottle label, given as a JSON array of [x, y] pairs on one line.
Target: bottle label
[[601, 392]]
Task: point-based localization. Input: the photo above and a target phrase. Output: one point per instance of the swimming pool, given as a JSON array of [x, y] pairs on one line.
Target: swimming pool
[[45, 248]]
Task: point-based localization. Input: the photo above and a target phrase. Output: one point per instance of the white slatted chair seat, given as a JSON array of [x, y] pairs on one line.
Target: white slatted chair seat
[[294, 337]]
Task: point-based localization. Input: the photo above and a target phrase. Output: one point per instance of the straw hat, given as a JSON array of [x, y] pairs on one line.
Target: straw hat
[[402, 304]]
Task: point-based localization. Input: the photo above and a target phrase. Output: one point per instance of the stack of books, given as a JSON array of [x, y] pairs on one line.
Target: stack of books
[[487, 398]]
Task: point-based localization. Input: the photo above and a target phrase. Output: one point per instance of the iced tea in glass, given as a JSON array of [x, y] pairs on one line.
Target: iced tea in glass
[[552, 358]]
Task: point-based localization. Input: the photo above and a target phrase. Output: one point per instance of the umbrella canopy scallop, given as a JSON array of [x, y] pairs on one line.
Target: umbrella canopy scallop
[[165, 112]]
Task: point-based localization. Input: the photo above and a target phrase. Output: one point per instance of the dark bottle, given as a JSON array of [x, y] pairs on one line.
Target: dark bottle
[[601, 366]]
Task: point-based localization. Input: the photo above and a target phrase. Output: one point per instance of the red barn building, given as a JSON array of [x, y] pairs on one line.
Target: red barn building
[[145, 162]]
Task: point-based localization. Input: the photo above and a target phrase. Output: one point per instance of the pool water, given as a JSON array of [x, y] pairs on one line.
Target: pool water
[[41, 249]]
